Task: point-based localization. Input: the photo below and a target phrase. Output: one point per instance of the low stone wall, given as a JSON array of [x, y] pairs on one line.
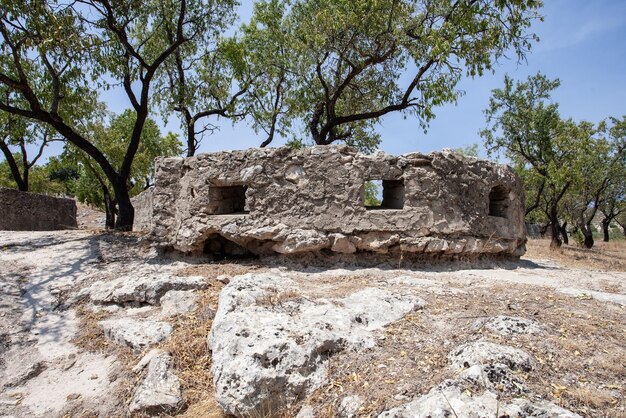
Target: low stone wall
[[142, 203], [279, 200], [23, 211]]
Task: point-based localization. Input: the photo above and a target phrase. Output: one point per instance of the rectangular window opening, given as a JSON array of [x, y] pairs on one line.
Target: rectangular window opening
[[225, 200], [384, 194]]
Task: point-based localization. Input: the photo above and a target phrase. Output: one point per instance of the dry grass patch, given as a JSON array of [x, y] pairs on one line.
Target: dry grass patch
[[604, 256], [580, 359]]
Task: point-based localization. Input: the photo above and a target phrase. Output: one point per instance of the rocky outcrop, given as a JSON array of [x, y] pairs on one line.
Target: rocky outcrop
[[142, 203], [451, 399], [483, 352], [510, 325], [265, 201], [139, 289], [136, 333], [490, 369], [270, 344], [160, 389]]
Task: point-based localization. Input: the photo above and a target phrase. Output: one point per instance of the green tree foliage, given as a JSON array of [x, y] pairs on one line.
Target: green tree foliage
[[470, 150], [55, 56], [372, 192], [613, 204], [205, 78], [343, 64], [92, 186], [571, 171], [526, 127], [40, 179], [17, 134]]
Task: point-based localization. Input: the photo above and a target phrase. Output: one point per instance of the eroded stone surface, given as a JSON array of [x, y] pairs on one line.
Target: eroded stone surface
[[177, 302], [140, 289], [483, 352], [450, 399], [509, 325], [290, 201], [270, 345], [136, 333], [160, 389]]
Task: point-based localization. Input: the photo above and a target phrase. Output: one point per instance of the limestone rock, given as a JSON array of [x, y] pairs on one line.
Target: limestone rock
[[25, 374], [136, 333], [450, 399], [447, 400], [301, 241], [306, 412], [270, 346], [508, 325], [176, 302], [145, 360], [494, 377], [140, 289], [160, 389], [482, 352], [349, 406]]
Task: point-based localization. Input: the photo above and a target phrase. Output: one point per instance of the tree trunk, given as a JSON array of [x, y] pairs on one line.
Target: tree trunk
[[606, 222], [585, 228], [191, 138], [563, 229], [15, 171], [109, 206], [554, 225], [126, 214]]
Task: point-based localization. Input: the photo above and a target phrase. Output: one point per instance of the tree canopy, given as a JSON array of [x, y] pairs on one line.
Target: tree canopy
[[570, 170], [337, 66]]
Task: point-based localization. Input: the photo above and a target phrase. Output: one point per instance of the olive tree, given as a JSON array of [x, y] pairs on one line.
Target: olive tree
[[55, 58], [355, 61]]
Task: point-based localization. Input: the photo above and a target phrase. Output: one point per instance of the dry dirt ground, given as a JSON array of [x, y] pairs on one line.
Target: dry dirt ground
[[56, 361]]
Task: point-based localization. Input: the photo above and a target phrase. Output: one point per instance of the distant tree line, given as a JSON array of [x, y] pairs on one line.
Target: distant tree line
[[573, 172]]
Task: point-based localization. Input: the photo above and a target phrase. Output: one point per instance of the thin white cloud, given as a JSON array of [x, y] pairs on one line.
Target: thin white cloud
[[573, 22]]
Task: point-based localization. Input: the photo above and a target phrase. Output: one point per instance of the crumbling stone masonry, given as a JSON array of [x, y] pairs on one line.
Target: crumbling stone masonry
[[23, 211], [278, 200]]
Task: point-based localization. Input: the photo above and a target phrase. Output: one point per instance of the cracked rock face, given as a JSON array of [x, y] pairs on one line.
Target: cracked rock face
[[270, 345], [141, 289], [265, 201], [450, 399], [508, 325], [476, 391], [160, 389], [136, 333], [482, 352]]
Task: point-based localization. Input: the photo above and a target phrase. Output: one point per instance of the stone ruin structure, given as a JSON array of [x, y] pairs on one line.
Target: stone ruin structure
[[279, 200], [24, 211]]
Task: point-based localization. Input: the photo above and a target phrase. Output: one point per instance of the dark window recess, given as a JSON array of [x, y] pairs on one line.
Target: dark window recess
[[498, 201], [227, 199], [392, 195]]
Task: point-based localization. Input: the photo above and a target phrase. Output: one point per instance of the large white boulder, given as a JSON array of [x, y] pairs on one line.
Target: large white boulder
[[270, 344]]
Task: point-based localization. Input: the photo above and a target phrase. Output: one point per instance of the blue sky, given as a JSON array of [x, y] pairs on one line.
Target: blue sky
[[583, 43]]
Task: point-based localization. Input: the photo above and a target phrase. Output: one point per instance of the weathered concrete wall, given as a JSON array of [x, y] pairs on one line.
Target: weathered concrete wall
[[142, 203], [287, 201], [23, 211]]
